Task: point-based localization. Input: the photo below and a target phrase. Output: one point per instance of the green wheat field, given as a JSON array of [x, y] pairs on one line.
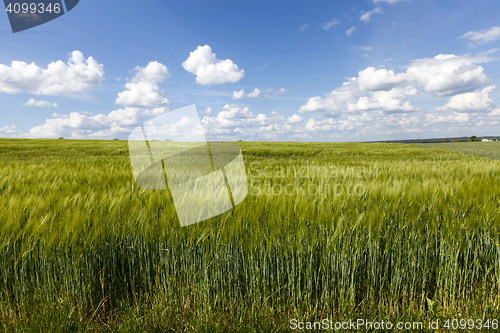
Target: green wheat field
[[380, 231]]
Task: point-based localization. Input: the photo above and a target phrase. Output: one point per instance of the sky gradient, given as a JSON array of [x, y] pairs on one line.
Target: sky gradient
[[275, 71]]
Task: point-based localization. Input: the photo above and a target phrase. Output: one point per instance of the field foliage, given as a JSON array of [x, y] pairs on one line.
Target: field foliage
[[484, 149], [389, 231]]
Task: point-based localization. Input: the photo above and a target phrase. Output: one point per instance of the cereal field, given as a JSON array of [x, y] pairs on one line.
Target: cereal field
[[328, 230]]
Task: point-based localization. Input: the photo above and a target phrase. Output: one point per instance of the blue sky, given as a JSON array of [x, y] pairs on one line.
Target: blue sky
[[325, 70]]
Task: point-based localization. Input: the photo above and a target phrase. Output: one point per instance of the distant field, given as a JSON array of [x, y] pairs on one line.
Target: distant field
[[343, 231], [482, 149]]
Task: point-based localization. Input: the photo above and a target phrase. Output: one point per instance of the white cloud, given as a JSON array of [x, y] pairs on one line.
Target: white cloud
[[384, 90], [388, 101], [365, 17], [302, 27], [141, 94], [456, 117], [142, 98], [237, 121], [375, 103], [238, 94], [281, 91], [371, 125], [210, 70], [335, 102], [254, 94], [352, 97], [131, 116], [295, 119], [77, 75], [482, 36], [181, 130], [494, 113], [475, 101], [45, 104], [365, 124], [349, 32], [83, 125], [330, 24], [9, 132], [372, 79], [75, 125], [447, 74], [207, 111], [143, 90], [154, 72]]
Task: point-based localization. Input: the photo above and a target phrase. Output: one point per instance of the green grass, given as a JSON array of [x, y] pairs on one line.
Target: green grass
[[478, 148], [82, 248]]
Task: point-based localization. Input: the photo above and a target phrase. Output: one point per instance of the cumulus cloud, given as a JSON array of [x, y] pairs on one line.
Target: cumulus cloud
[[83, 125], [475, 101], [153, 72], [295, 118], [9, 132], [237, 121], [456, 117], [447, 74], [330, 24], [255, 94], [45, 104], [281, 91], [76, 75], [388, 101], [372, 79], [482, 36], [366, 123], [142, 98], [349, 32], [238, 94], [210, 70], [382, 125], [131, 116], [365, 17], [75, 125], [143, 90], [353, 97], [232, 122], [385, 90], [207, 111], [335, 102], [141, 94]]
